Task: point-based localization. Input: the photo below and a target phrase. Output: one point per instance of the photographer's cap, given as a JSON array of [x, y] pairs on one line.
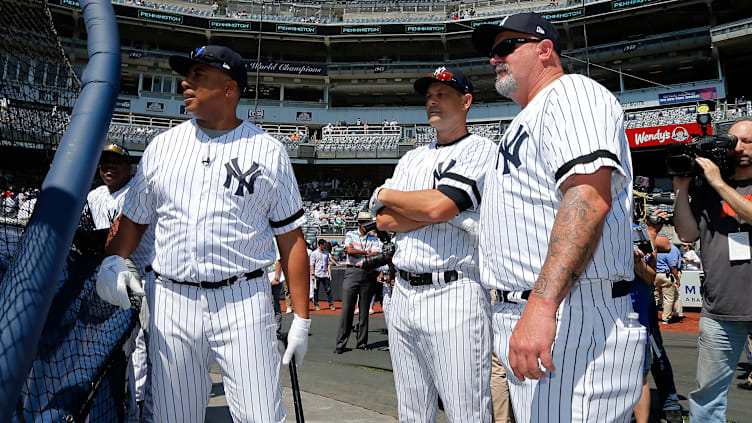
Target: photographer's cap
[[527, 23], [218, 57]]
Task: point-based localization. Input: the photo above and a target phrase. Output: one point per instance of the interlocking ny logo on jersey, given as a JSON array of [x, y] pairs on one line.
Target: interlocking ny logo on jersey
[[233, 171], [442, 170], [510, 150]]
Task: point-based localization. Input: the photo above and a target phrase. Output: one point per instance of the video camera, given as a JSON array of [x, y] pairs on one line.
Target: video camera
[[387, 248], [681, 157], [646, 203]]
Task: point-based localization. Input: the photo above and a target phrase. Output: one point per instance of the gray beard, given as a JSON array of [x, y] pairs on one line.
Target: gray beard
[[507, 85]]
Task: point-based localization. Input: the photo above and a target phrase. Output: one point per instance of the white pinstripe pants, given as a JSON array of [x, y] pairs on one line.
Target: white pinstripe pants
[[139, 386], [440, 345], [191, 327], [598, 360]]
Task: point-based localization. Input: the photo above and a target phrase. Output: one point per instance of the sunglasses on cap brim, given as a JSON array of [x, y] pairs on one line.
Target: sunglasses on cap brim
[[507, 46], [444, 77], [115, 149], [201, 53]]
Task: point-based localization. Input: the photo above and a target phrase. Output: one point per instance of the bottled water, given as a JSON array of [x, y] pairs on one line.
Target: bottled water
[[633, 320]]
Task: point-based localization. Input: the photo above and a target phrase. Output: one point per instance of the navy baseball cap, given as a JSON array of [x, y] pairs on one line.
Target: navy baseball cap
[[218, 57], [449, 75], [527, 23]]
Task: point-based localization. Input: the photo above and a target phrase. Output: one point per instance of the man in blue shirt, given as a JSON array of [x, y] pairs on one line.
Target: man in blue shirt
[[644, 268], [667, 278]]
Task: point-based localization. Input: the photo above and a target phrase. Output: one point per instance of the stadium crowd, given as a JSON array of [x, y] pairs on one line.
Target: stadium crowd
[[18, 204], [350, 188]]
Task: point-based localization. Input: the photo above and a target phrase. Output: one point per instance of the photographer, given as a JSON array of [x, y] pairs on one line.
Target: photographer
[[720, 215], [358, 283]]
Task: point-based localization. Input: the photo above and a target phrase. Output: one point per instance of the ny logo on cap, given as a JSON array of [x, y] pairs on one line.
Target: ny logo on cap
[[233, 171], [439, 71]]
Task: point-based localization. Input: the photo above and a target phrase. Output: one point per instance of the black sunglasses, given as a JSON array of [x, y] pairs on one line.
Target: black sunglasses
[[507, 46]]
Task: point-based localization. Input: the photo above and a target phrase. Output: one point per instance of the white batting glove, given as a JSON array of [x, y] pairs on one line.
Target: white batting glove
[[297, 340], [374, 205], [468, 221], [116, 275]]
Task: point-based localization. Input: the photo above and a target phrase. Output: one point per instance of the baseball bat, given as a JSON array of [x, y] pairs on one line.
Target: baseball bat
[[296, 392]]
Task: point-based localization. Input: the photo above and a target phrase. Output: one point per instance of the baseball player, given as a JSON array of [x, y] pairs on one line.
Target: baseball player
[[105, 204], [555, 236], [439, 315], [220, 191]]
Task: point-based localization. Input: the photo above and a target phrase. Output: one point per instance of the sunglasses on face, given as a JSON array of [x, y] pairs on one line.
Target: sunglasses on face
[[507, 46]]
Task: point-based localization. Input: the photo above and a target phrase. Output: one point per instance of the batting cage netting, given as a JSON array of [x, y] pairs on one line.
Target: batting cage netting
[[79, 367]]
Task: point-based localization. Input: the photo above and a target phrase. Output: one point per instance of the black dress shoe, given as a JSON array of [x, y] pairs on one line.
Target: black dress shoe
[[745, 385], [673, 416], [364, 348], [340, 350]]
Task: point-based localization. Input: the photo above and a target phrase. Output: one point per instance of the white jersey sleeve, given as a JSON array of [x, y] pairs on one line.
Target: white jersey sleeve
[[140, 203], [286, 212], [461, 179], [583, 130]]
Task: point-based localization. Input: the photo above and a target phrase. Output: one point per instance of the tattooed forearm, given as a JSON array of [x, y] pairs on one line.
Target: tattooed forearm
[[113, 231], [575, 234]]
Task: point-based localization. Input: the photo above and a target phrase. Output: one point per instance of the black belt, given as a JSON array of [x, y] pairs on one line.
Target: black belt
[[219, 284], [419, 279], [619, 289]]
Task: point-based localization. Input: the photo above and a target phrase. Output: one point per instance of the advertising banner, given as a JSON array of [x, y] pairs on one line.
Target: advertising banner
[[689, 95], [153, 106], [662, 135], [361, 29], [691, 288], [296, 29], [303, 116], [424, 29], [156, 15], [123, 103]]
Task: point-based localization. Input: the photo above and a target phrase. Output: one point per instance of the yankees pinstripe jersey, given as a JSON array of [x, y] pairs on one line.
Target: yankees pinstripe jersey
[[106, 207], [27, 208], [218, 202], [456, 169], [572, 126]]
